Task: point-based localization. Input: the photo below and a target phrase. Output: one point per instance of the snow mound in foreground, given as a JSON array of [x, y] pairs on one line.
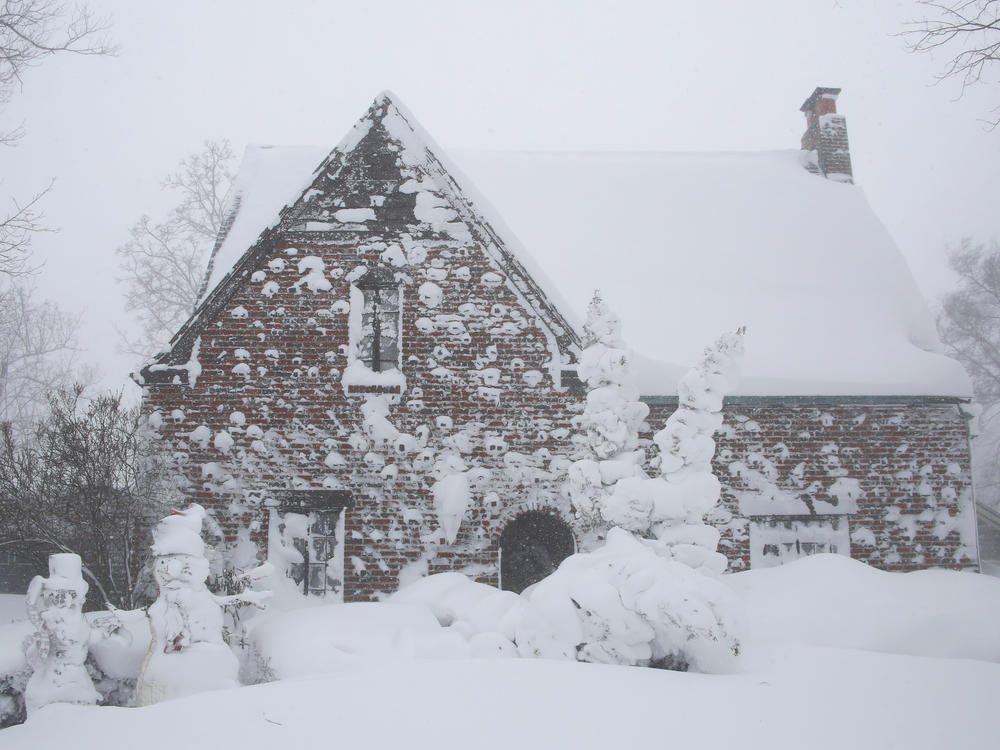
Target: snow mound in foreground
[[629, 606], [624, 604], [331, 638], [832, 600]]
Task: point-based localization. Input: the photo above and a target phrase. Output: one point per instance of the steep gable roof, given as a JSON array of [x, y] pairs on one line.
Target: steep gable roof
[[684, 246], [384, 178]]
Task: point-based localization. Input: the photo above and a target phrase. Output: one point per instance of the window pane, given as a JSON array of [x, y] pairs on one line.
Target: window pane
[[365, 344], [324, 522], [390, 299], [389, 327], [322, 549], [381, 308], [317, 577], [389, 355]]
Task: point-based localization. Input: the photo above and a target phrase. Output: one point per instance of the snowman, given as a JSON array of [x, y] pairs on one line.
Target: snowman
[[57, 649], [187, 653]]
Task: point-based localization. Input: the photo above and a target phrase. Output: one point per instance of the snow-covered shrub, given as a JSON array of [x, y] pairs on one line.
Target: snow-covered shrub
[[625, 604], [487, 616], [12, 682]]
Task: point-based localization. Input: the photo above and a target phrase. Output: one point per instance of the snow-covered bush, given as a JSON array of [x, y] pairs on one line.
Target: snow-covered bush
[[486, 615], [84, 480], [12, 682], [625, 604]]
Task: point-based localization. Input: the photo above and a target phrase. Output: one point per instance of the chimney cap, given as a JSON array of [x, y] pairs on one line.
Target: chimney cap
[[821, 92]]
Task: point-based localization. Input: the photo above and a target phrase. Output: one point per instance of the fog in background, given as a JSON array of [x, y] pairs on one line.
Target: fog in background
[[725, 76]]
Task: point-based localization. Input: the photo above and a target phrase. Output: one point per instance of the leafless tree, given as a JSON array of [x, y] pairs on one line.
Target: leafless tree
[[30, 31], [969, 325], [166, 265], [37, 353], [968, 31], [88, 480]]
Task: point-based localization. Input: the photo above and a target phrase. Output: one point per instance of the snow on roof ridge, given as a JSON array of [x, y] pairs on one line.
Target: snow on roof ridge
[[464, 195], [637, 153], [677, 215]]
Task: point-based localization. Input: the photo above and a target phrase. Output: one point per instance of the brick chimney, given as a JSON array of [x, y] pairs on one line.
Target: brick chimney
[[826, 136]]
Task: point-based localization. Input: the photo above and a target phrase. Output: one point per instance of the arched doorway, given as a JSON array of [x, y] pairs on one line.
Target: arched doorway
[[531, 547]]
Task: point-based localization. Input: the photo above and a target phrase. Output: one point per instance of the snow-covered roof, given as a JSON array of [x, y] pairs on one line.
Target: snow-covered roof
[[685, 246]]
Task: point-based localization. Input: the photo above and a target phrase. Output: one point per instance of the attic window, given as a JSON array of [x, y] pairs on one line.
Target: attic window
[[378, 346]]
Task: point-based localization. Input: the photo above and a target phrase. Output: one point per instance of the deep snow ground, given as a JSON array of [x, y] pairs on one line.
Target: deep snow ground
[[836, 655], [794, 697]]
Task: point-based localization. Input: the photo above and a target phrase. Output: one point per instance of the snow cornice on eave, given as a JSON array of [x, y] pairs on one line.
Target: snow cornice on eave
[[822, 400]]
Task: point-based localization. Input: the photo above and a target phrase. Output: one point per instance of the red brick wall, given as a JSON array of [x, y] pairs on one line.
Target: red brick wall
[[295, 344], [911, 461]]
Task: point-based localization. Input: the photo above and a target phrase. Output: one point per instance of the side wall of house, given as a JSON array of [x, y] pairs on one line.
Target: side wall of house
[[891, 481], [268, 410]]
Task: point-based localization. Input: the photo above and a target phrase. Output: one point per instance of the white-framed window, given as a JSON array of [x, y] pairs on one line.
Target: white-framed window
[[379, 339], [321, 571], [775, 540]]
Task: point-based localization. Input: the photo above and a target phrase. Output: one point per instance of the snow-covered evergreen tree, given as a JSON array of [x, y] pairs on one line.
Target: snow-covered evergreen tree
[[649, 595], [609, 424], [671, 507]]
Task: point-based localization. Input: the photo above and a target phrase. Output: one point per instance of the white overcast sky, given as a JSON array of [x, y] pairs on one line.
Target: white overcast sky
[[726, 75]]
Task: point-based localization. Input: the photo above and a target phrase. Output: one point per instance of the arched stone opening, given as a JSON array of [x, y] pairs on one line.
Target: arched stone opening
[[531, 547]]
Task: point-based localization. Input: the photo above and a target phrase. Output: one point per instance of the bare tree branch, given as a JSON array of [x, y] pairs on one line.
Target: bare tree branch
[[16, 229], [30, 31], [968, 30], [165, 266], [203, 181]]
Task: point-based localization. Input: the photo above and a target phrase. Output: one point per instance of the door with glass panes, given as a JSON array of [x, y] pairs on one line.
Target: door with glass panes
[[313, 523]]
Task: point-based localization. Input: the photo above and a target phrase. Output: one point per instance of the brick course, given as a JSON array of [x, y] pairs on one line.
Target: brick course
[[911, 460]]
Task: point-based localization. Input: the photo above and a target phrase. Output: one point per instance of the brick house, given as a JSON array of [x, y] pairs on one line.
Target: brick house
[[380, 382]]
